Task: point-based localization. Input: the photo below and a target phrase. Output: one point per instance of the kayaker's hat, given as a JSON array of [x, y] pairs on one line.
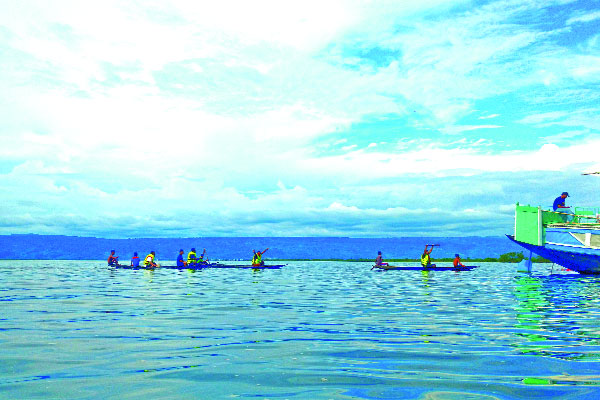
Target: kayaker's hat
[[565, 194], [193, 249]]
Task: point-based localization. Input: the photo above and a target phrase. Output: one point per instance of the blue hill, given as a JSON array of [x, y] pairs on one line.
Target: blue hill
[[233, 248]]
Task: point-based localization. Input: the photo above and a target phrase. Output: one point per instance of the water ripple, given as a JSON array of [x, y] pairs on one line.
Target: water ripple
[[75, 329]]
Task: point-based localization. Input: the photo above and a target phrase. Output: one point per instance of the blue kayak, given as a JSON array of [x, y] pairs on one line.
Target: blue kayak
[[122, 266], [249, 266], [201, 266], [419, 268]]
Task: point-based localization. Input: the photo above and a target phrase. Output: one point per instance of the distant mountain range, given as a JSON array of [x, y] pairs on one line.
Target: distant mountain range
[[43, 247]]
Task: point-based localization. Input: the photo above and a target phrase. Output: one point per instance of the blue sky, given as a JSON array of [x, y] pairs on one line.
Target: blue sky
[[270, 118]]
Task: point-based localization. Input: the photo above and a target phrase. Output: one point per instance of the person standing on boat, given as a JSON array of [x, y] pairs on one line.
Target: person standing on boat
[[112, 259], [135, 260], [559, 206], [426, 258], [457, 262], [257, 258], [192, 259], [379, 260], [180, 262], [149, 260]]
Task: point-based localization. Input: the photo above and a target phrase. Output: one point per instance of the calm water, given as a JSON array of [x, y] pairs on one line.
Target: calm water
[[79, 330]]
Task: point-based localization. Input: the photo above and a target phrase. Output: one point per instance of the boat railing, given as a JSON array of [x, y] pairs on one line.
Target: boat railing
[[575, 216], [531, 222]]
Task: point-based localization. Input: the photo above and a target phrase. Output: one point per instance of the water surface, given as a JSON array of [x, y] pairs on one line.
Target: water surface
[[311, 330]]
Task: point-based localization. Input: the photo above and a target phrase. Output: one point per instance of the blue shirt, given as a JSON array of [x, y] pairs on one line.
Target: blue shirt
[[558, 201], [135, 261], [180, 260]]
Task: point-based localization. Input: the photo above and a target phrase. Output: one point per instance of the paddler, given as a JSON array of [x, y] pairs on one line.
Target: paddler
[[201, 259], [426, 258], [149, 260], [112, 259], [191, 258], [135, 260], [180, 262], [257, 258], [379, 260], [457, 262]]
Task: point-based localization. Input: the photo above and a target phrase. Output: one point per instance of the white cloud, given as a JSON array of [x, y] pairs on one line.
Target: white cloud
[[543, 117], [457, 161], [489, 116], [453, 130], [190, 106], [587, 17]]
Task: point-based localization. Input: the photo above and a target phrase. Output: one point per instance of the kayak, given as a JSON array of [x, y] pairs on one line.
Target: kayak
[[201, 266], [198, 266], [122, 266], [412, 268], [249, 266]]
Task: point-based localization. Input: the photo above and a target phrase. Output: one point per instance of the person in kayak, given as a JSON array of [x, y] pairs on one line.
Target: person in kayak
[[149, 261], [135, 260], [457, 262], [379, 260], [180, 262], [191, 258], [112, 259], [426, 258], [257, 258], [201, 260]]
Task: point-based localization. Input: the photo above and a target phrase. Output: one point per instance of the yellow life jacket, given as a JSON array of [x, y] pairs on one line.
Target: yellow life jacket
[[192, 257], [149, 259], [425, 260], [257, 259]]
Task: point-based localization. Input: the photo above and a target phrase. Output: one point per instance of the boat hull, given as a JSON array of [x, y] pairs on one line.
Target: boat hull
[[579, 259]]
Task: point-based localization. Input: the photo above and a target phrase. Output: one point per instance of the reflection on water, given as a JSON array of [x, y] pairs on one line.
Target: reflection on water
[[557, 312], [309, 330]]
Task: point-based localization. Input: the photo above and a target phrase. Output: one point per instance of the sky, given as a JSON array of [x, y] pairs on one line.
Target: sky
[[294, 118]]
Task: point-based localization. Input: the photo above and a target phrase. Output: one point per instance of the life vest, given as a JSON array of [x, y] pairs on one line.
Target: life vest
[[149, 260], [257, 259], [192, 257], [425, 260]]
